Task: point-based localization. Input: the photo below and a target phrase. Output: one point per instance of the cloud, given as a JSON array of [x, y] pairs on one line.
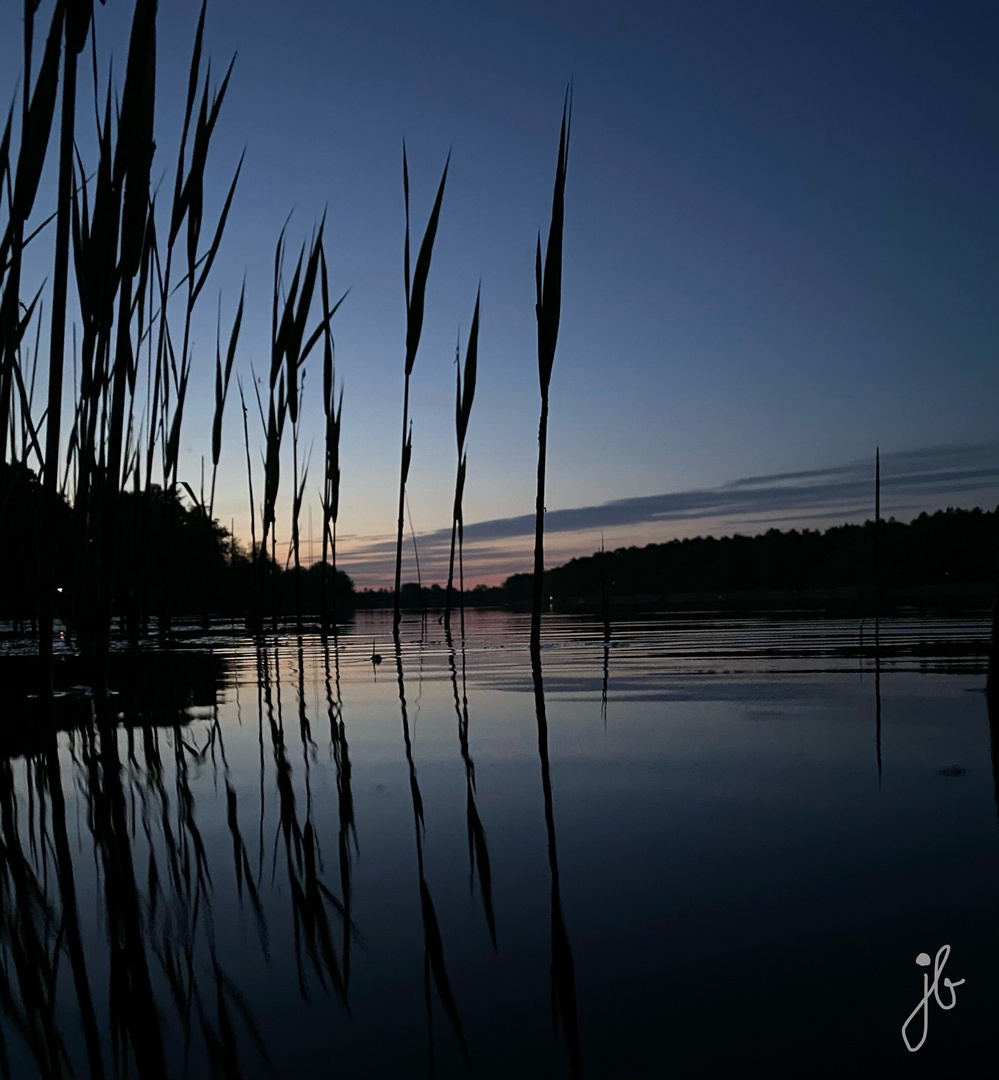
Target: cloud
[[911, 481]]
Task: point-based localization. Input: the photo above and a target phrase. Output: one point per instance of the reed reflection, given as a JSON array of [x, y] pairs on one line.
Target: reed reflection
[[155, 886], [29, 943], [433, 945], [563, 973], [603, 685], [992, 709], [478, 851], [311, 922], [345, 799]]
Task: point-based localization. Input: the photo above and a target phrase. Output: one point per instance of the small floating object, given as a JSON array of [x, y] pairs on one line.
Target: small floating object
[[376, 657], [952, 770]]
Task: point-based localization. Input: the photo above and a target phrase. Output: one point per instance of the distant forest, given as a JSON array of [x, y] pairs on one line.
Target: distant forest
[[173, 561], [938, 560]]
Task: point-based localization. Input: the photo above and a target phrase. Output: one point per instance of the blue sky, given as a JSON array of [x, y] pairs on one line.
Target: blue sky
[[780, 251]]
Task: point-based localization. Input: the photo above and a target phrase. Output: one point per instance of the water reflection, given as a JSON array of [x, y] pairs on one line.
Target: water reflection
[[478, 850], [213, 911], [310, 897], [563, 974], [433, 946]]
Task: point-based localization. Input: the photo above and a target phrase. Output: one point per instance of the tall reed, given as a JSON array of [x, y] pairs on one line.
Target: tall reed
[[289, 350], [548, 307], [331, 459], [79, 16], [414, 327], [462, 411], [222, 376], [38, 107]]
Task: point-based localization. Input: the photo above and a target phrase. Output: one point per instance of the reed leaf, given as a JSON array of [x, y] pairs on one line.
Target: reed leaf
[[30, 431], [405, 199], [549, 292], [275, 297], [435, 953], [407, 453], [548, 286], [222, 376], [415, 301], [321, 328], [192, 197], [134, 151], [217, 238], [37, 125], [459, 488], [5, 153], [179, 202], [464, 395], [478, 854], [466, 387]]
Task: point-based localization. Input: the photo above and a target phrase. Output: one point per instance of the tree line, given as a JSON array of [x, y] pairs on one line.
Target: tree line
[[951, 547], [173, 561]]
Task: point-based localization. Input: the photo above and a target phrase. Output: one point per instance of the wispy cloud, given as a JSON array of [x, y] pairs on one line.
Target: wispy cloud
[[911, 481]]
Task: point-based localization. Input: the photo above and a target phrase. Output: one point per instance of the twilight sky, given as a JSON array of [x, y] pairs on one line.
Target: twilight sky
[[780, 250]]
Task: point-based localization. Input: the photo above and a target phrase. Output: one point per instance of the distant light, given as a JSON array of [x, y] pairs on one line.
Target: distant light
[[59, 589]]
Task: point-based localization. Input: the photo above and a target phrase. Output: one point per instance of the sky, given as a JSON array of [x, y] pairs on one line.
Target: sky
[[781, 239]]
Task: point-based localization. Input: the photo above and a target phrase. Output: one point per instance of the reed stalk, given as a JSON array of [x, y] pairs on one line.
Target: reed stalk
[[462, 410], [77, 25], [298, 492], [330, 497], [222, 375], [414, 326], [289, 350], [548, 306], [38, 106]]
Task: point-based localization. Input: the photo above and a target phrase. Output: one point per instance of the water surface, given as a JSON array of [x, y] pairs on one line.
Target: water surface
[[697, 845]]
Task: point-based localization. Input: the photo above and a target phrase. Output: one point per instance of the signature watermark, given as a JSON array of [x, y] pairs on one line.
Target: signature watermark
[[931, 988]]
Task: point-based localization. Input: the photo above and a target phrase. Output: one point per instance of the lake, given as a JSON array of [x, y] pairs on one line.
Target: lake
[[691, 848]]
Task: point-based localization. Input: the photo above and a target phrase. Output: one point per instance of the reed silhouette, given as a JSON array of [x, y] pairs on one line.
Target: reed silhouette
[[462, 411], [330, 498], [547, 309], [106, 229], [414, 327]]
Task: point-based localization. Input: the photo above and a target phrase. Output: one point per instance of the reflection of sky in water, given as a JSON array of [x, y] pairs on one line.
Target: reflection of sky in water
[[722, 827]]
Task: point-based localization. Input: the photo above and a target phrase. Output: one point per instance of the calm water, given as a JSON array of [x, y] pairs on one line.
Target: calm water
[[699, 847]]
